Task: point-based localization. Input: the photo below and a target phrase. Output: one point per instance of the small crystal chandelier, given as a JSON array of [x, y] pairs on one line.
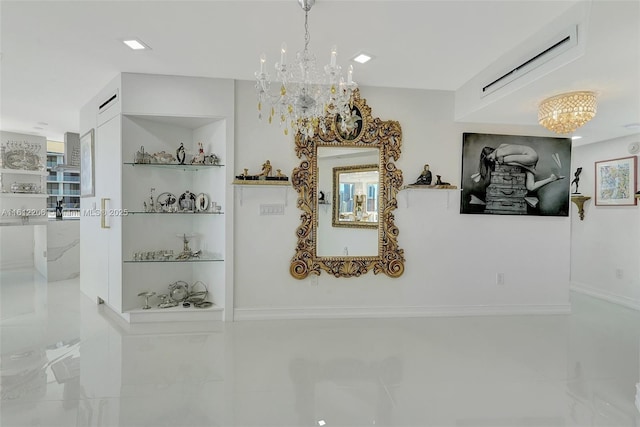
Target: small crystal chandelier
[[306, 96], [566, 112]]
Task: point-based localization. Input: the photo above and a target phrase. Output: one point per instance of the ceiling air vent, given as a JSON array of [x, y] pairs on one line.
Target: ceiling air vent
[[555, 47], [108, 102]]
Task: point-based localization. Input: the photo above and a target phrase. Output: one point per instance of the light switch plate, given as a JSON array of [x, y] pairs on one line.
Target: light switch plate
[[275, 209]]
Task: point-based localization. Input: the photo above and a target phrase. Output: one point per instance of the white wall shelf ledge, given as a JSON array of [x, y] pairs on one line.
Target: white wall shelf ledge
[[181, 261], [446, 189]]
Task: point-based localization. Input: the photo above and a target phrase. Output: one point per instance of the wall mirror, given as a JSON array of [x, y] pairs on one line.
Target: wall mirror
[[347, 184]]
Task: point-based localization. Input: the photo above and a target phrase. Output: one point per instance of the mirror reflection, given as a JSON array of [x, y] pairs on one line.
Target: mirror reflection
[[348, 224], [355, 190]]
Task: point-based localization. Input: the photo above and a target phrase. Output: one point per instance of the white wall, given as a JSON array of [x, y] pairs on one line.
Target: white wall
[[608, 239], [451, 259]]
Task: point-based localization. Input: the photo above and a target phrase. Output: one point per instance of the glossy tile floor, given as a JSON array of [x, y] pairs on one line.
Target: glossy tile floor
[[64, 362]]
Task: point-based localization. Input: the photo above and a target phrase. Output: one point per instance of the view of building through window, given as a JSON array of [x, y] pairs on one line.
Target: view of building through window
[[63, 185]]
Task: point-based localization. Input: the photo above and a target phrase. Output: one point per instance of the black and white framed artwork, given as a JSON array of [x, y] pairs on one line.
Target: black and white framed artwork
[[515, 175]]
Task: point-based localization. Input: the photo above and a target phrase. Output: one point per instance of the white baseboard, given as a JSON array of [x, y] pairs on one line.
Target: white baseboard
[[604, 295], [391, 312]]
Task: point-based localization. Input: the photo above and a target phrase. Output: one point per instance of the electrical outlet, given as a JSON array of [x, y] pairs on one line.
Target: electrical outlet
[[500, 279], [619, 273]]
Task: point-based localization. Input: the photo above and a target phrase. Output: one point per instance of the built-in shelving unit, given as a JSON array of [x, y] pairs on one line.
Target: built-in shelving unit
[[138, 119], [150, 231], [23, 187]]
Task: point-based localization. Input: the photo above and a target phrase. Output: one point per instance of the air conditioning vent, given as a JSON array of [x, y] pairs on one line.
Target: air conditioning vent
[[111, 100], [555, 47]]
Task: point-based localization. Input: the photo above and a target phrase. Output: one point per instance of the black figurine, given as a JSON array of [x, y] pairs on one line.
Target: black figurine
[[425, 177], [576, 179], [321, 198], [439, 181], [180, 154]]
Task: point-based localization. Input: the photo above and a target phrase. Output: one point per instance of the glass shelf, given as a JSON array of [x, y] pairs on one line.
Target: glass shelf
[[175, 166], [174, 213], [130, 261]]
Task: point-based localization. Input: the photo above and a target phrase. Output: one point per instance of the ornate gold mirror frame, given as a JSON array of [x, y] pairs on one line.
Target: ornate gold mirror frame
[[362, 131]]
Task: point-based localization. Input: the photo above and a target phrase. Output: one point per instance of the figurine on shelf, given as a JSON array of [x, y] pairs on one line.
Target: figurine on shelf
[[151, 207], [280, 176], [187, 253], [199, 158], [321, 198], [211, 159], [439, 181], [425, 177], [163, 157], [266, 169], [576, 179], [180, 154]]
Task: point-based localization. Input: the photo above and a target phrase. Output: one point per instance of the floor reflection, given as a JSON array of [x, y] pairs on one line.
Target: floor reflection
[[64, 362]]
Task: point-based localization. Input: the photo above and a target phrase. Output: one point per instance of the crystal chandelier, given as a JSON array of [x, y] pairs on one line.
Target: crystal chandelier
[[306, 96], [566, 112]]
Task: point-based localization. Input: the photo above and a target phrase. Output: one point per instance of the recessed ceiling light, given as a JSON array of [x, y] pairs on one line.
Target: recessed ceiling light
[[37, 128], [43, 123], [575, 137], [135, 44], [632, 126], [362, 58]]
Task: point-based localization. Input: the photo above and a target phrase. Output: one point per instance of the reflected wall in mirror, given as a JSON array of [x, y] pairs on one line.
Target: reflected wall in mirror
[[357, 165], [355, 196]]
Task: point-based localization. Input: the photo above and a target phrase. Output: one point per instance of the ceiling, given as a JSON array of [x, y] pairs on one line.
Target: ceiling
[[55, 55]]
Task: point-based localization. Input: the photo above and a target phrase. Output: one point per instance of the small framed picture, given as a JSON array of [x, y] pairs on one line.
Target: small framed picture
[[616, 182], [87, 171]]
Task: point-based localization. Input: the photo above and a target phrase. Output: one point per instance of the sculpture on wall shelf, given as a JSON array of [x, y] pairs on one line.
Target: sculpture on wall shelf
[[576, 179], [266, 174], [425, 177]]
